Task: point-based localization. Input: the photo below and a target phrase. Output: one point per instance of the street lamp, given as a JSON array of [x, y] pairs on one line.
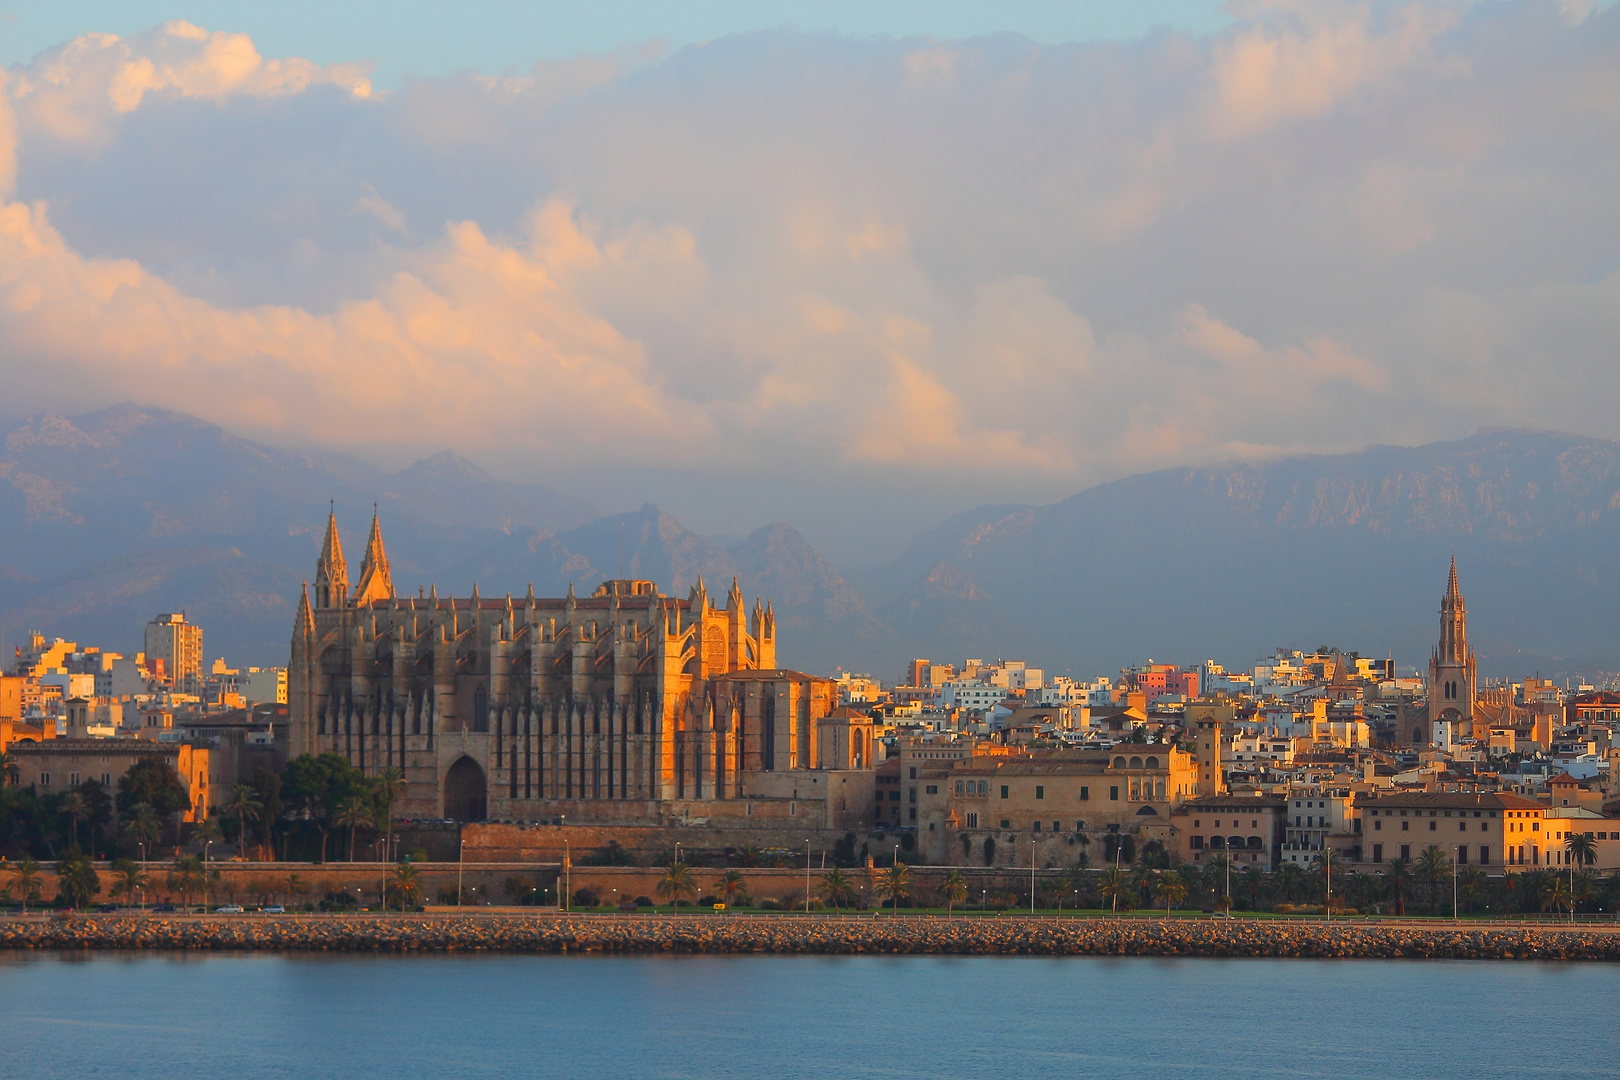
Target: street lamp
[[461, 856], [894, 868], [206, 845], [382, 862], [1032, 876], [807, 875], [568, 871]]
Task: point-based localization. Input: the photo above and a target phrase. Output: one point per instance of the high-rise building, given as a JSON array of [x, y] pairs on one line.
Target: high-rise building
[[179, 645]]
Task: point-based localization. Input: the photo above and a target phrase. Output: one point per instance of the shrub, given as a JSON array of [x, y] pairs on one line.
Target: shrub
[[707, 901], [644, 901], [586, 898], [768, 904]]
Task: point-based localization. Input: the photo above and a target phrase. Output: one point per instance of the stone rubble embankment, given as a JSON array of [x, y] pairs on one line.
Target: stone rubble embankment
[[528, 933]]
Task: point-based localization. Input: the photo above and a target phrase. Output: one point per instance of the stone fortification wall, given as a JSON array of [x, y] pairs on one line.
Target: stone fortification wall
[[548, 843]]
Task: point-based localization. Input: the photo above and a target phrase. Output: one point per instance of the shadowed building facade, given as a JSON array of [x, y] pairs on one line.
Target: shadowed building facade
[[627, 706]]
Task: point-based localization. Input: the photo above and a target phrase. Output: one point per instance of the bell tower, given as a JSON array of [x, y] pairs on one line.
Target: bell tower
[[1452, 681]]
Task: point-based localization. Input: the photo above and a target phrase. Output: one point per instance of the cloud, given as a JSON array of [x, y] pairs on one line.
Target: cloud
[[978, 269], [1300, 60], [74, 91]]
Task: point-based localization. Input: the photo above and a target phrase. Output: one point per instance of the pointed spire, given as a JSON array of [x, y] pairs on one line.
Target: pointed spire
[[331, 570], [475, 596], [529, 599], [1452, 591], [376, 583], [304, 621]]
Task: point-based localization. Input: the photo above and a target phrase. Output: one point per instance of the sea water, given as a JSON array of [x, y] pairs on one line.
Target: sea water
[[317, 1016]]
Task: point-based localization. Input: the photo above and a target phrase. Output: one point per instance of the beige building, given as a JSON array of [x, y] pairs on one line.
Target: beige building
[[1247, 829], [179, 646], [627, 706], [64, 763], [1045, 802], [1473, 829]]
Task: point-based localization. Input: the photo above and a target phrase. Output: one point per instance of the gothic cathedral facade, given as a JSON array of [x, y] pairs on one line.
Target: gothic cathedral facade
[[624, 707]]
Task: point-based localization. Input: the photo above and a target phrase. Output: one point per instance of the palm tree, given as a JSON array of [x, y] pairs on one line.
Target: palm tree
[[837, 889], [243, 802], [1433, 869], [733, 889], [186, 877], [390, 788], [142, 826], [128, 878], [1555, 896], [405, 885], [1470, 884], [1252, 880], [1170, 889], [894, 883], [315, 811], [676, 884], [1290, 880], [748, 855], [1400, 883], [77, 881], [25, 879], [953, 890], [352, 814], [1329, 866], [75, 809], [1215, 876], [1582, 848], [1116, 888]]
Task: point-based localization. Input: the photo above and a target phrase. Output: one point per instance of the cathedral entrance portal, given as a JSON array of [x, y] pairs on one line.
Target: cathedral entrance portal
[[465, 790]]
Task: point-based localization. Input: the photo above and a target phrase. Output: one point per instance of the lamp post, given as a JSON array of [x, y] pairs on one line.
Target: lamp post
[[461, 856], [807, 875], [1454, 865], [1327, 869], [382, 873], [142, 845], [1032, 876], [206, 845], [894, 868], [568, 876]]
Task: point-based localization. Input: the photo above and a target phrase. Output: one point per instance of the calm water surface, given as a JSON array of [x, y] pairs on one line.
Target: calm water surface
[[816, 1017]]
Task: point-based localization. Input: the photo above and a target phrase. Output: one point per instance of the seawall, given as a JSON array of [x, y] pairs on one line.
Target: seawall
[[721, 934]]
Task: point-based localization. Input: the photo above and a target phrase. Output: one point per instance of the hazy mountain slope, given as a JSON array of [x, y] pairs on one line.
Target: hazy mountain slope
[[1348, 549], [110, 517]]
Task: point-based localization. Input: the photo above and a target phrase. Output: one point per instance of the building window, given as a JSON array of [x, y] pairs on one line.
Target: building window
[[1405, 825], [1431, 826], [1005, 823], [1378, 853], [1037, 826], [1484, 855], [1085, 794], [1198, 843], [959, 787], [44, 779], [1113, 794], [973, 821], [1040, 791], [911, 795], [73, 779], [1377, 826], [1462, 826], [1406, 851], [933, 789], [1003, 791]]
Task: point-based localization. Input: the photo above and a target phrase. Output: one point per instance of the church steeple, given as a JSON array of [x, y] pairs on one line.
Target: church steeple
[[331, 571], [375, 581], [1453, 646], [304, 621], [1453, 670]]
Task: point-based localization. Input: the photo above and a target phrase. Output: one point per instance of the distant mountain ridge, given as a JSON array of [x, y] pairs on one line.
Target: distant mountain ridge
[[108, 518]]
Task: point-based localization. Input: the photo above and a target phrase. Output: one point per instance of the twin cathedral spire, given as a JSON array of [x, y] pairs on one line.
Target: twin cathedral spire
[[332, 570]]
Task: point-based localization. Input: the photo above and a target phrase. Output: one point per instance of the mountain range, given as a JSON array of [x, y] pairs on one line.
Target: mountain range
[[110, 517]]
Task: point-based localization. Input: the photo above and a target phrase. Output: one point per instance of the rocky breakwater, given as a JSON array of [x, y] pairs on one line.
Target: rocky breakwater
[[531, 933]]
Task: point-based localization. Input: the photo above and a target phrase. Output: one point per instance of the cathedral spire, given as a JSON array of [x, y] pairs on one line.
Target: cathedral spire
[[304, 621], [1453, 593], [375, 581], [331, 571]]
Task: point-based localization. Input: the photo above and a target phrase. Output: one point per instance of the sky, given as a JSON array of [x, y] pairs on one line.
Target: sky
[[853, 266]]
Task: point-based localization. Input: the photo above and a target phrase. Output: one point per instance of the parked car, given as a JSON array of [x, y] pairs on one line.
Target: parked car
[[273, 909], [162, 907], [229, 909]]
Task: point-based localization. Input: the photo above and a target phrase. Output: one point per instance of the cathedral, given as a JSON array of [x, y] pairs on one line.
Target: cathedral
[[1452, 683], [624, 707]]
